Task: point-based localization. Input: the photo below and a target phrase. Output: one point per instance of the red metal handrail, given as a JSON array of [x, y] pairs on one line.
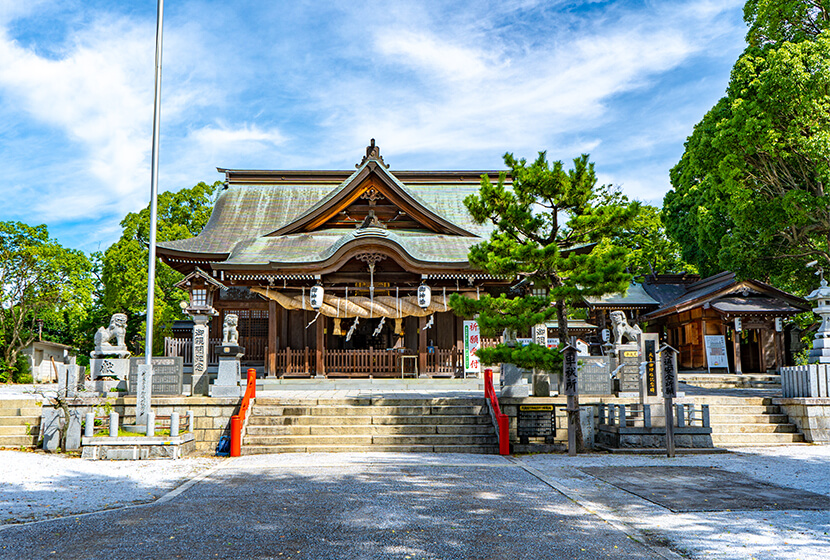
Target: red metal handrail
[[238, 419], [501, 421]]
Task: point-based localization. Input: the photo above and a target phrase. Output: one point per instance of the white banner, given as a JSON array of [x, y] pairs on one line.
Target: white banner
[[472, 342]]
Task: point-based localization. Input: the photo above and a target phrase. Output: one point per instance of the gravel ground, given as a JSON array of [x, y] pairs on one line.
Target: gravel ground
[[38, 486]]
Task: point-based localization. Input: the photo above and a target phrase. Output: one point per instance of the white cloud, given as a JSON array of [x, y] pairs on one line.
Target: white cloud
[[224, 137]]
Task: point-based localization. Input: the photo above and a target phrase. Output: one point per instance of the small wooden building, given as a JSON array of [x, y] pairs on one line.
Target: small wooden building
[[749, 314], [369, 238]]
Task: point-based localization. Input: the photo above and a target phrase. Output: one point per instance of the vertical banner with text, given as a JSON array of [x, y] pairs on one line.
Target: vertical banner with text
[[472, 342]]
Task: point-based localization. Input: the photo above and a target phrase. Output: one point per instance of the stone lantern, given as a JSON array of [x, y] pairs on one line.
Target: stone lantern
[[820, 354], [202, 289]]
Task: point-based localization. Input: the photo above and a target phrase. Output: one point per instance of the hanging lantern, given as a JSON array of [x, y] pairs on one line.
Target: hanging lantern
[[424, 296], [316, 297], [738, 325]]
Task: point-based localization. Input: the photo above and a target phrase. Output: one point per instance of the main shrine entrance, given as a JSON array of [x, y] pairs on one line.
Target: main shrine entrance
[[338, 274]]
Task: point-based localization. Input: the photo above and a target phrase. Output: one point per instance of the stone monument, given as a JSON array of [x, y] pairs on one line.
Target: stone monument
[[626, 355], [229, 352], [109, 363]]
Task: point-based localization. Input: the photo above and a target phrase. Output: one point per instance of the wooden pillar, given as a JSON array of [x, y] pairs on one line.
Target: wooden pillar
[[321, 343], [422, 345], [271, 359], [736, 350], [779, 351]]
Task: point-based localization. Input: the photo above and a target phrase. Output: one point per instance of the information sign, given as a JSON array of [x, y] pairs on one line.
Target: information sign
[[716, 352]]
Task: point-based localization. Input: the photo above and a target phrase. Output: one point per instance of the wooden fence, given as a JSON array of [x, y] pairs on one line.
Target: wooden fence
[[359, 363], [255, 349]]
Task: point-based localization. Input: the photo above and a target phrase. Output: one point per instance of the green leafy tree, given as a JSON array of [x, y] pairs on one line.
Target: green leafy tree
[[650, 251], [39, 279], [546, 223], [750, 192], [779, 21], [123, 265]]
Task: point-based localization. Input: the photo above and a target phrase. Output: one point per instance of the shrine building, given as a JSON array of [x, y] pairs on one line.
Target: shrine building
[[336, 273]]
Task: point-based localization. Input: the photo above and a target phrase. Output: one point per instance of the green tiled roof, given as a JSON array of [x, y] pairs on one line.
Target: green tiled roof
[[244, 215]]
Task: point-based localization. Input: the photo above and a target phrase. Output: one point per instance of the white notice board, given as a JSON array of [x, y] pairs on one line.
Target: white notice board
[[716, 352], [472, 342]]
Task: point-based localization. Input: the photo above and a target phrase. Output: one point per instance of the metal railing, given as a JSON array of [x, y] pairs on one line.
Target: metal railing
[[500, 420], [238, 421]]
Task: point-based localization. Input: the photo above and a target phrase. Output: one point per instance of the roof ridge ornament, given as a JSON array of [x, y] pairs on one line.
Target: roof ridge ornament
[[372, 154]]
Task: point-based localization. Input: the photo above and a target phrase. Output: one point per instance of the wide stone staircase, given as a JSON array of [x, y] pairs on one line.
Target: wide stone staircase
[[748, 421], [19, 422], [439, 425]]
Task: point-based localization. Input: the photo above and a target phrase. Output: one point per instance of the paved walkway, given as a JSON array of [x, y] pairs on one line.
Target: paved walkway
[[367, 506]]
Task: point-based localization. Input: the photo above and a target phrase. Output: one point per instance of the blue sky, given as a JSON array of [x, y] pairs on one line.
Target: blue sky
[[305, 85]]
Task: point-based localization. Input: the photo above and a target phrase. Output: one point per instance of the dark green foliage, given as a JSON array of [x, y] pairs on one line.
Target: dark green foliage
[[750, 192], [41, 280], [181, 214], [540, 219]]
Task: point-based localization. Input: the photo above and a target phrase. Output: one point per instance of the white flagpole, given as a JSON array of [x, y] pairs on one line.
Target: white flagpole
[[143, 410], [151, 265]]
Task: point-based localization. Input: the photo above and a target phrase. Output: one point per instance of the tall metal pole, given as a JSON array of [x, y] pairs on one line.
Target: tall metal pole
[[143, 412], [151, 266]]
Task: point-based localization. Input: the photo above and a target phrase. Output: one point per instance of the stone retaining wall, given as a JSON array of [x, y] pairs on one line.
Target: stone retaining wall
[[212, 416], [811, 415]]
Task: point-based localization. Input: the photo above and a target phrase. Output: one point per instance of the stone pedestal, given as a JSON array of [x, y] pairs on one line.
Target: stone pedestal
[[230, 372], [513, 382], [199, 383], [109, 368], [628, 356]]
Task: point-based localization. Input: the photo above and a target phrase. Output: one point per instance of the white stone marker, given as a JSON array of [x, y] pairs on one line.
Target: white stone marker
[[151, 424], [174, 424], [113, 424], [143, 393], [89, 424]]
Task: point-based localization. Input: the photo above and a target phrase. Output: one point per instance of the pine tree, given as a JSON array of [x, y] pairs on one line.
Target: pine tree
[[547, 223]]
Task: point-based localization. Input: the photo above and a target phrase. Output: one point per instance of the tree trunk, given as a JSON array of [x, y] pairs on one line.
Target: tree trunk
[[562, 321]]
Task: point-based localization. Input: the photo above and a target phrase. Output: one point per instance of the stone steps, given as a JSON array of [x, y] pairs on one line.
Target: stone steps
[[325, 420], [370, 430], [724, 381], [440, 425], [748, 421], [19, 422], [359, 410], [477, 449], [754, 439]]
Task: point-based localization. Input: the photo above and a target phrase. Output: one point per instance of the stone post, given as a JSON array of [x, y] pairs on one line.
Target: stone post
[[89, 424], [174, 424], [201, 333], [113, 424], [151, 424]]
